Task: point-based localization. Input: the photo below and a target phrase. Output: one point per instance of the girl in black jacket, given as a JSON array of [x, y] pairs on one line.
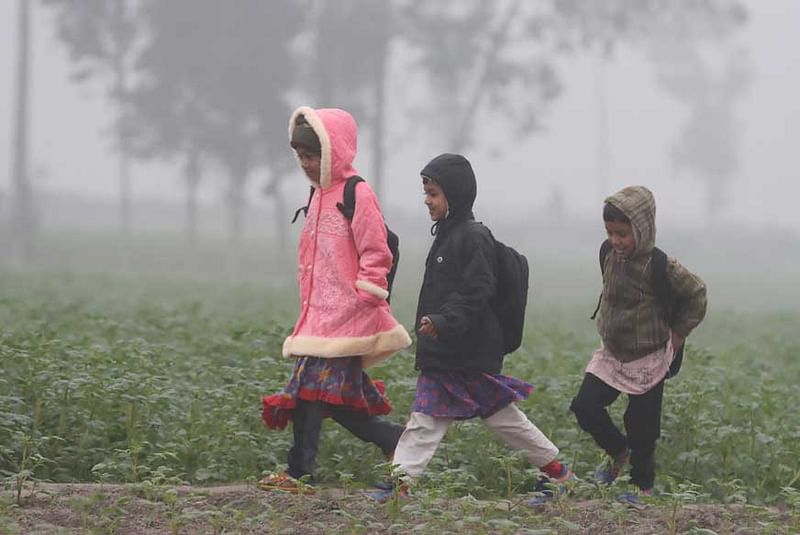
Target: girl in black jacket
[[460, 343]]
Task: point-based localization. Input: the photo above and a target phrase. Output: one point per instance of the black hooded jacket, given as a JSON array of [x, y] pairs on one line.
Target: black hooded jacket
[[459, 280]]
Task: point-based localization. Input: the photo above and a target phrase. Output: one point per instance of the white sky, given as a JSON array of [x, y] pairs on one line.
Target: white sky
[[71, 151]]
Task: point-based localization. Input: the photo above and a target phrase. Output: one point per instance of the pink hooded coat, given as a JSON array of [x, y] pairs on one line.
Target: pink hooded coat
[[342, 265]]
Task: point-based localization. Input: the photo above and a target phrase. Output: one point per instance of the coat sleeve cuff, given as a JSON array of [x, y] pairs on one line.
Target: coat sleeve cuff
[[438, 324], [373, 289]]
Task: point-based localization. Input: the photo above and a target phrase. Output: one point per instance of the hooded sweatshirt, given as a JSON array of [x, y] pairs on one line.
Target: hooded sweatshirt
[[342, 265], [630, 320], [459, 280]]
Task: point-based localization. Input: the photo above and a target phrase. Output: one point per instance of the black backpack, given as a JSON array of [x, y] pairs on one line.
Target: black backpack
[[511, 295], [667, 299], [348, 207]]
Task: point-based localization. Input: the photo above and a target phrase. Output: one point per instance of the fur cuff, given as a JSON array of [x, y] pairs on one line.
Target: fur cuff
[[373, 289], [373, 349]]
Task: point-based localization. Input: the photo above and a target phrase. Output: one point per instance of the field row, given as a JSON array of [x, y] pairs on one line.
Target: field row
[[131, 380]]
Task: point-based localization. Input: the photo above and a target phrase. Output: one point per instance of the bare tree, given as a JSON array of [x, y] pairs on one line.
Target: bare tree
[[101, 37], [671, 33], [347, 63], [707, 144], [480, 57], [201, 96]]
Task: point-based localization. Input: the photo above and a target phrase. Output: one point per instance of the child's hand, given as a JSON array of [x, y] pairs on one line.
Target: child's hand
[[677, 341], [427, 328]]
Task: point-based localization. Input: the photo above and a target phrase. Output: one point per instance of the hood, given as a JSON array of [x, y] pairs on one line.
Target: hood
[[639, 205], [337, 132], [454, 174]]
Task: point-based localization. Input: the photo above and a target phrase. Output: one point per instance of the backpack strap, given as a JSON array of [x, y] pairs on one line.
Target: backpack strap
[[605, 248], [669, 304], [304, 209], [348, 205], [348, 209], [661, 285]]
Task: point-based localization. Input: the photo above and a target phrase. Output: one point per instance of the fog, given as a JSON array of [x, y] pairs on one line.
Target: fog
[[700, 104]]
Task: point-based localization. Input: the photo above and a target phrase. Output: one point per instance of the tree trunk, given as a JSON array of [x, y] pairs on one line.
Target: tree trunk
[[236, 207], [321, 76], [461, 133], [191, 174], [602, 154], [123, 164], [22, 218], [281, 220], [190, 231], [384, 21]]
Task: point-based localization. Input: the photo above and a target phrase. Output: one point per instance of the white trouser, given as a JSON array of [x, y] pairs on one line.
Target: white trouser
[[423, 434]]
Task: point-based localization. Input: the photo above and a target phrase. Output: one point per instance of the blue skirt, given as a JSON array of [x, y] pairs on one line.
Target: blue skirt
[[466, 394]]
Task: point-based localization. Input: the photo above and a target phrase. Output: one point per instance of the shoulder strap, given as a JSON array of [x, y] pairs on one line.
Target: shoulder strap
[[348, 204], [605, 248], [667, 300], [304, 209], [461, 232], [661, 285]]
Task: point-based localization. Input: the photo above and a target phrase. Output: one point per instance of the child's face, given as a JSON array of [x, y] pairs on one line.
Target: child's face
[[435, 200], [309, 161], [621, 237]]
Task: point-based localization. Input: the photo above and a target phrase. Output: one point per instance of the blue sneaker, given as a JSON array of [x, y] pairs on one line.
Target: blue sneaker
[[546, 485], [380, 495], [383, 495], [609, 475], [633, 499], [605, 477], [383, 485]]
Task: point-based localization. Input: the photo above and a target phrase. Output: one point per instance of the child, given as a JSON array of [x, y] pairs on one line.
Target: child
[[345, 323], [637, 341], [460, 343]]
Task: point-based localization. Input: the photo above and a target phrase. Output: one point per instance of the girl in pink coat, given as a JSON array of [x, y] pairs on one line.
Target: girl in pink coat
[[345, 323]]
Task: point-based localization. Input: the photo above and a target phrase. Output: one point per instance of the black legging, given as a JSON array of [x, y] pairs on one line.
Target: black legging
[[642, 424], [307, 425]]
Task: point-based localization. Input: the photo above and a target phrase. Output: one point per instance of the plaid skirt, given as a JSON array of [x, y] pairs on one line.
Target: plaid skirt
[[338, 381], [461, 395]]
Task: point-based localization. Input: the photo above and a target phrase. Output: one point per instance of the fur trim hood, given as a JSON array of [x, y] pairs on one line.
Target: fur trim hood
[[337, 132]]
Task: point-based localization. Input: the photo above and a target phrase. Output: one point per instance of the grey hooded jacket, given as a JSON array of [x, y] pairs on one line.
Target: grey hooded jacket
[[630, 320]]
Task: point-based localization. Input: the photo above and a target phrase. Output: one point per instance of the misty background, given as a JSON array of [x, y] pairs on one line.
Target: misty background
[[145, 136]]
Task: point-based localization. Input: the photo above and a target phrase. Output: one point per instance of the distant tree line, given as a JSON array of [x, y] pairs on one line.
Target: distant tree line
[[209, 84]]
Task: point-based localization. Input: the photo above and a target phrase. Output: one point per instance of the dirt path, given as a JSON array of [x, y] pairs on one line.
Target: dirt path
[[142, 509]]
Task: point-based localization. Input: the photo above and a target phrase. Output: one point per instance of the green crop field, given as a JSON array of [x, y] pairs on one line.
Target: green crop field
[[158, 381]]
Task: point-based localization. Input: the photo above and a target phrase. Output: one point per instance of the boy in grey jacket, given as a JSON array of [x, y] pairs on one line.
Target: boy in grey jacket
[[639, 339]]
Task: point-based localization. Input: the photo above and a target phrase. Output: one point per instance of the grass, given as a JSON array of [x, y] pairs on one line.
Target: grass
[[157, 382]]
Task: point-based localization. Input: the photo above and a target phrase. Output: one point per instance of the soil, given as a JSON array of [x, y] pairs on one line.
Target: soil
[[146, 510]]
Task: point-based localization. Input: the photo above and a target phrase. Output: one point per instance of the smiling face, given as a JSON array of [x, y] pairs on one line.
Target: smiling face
[[309, 162], [435, 200], [620, 235]]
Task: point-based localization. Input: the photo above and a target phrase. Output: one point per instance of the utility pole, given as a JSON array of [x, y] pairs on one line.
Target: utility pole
[[121, 47], [22, 219]]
